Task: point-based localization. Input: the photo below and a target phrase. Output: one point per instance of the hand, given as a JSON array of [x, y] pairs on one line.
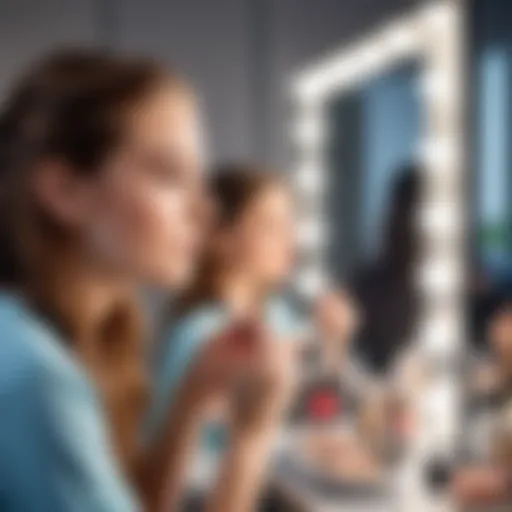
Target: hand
[[337, 320], [258, 402], [263, 393], [224, 360], [216, 370]]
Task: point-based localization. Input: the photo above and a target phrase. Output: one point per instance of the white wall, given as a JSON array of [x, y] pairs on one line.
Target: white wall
[[29, 28], [240, 53]]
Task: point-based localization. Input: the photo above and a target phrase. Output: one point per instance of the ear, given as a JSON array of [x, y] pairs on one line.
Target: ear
[[60, 191]]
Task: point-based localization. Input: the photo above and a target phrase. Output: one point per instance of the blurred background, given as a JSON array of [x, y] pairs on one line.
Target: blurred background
[[243, 55], [239, 53]]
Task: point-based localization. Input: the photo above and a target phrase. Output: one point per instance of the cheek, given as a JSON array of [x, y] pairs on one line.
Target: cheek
[[150, 219], [145, 231], [284, 256], [274, 254], [139, 218], [162, 230]]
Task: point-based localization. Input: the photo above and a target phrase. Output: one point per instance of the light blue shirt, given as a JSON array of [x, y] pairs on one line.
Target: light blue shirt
[[55, 454], [184, 340]]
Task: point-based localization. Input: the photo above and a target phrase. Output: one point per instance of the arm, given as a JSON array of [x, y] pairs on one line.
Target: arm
[[201, 366], [258, 406], [337, 319], [217, 365], [243, 471], [182, 389], [164, 472], [54, 444]]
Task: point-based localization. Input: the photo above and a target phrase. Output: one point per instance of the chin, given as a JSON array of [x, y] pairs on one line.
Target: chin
[[181, 279], [172, 279], [277, 282], [282, 275]]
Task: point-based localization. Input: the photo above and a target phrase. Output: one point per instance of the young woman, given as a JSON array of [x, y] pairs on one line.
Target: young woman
[[100, 160], [249, 258]]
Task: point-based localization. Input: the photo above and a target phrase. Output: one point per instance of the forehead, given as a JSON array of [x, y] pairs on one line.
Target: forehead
[[273, 198], [168, 117]]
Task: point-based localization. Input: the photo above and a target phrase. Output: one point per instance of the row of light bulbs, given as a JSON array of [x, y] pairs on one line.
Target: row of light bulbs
[[441, 274]]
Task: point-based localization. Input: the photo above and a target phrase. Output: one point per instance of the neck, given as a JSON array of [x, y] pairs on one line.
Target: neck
[[82, 296], [98, 295], [242, 293]]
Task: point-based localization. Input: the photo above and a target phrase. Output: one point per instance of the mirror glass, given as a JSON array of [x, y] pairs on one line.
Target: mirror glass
[[374, 132]]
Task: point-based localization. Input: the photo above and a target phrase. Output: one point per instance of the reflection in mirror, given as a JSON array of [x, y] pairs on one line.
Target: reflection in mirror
[[379, 169], [357, 418], [374, 135]]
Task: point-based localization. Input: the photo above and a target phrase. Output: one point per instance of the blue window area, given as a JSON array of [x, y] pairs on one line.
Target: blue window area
[[374, 132], [391, 132], [493, 133]]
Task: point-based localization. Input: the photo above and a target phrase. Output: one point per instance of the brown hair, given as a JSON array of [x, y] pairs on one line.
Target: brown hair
[[233, 188], [73, 106]]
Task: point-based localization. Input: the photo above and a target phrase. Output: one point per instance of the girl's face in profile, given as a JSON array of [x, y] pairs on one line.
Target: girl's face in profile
[[264, 239], [141, 211]]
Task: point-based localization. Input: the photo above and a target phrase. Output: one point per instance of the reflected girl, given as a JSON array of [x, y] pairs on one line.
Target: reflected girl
[[249, 256], [249, 259]]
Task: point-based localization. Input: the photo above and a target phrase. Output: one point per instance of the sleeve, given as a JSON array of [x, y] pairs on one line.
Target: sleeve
[[54, 446], [287, 322], [181, 344]]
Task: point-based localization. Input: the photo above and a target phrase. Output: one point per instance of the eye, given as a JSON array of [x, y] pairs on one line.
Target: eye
[[164, 170]]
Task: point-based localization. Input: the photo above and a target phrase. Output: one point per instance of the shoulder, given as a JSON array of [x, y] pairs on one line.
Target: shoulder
[[182, 340], [285, 317], [195, 326], [204, 316], [188, 334], [54, 438], [179, 347], [32, 358], [17, 359]]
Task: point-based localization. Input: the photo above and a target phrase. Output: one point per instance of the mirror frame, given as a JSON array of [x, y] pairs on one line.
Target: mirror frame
[[433, 34]]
